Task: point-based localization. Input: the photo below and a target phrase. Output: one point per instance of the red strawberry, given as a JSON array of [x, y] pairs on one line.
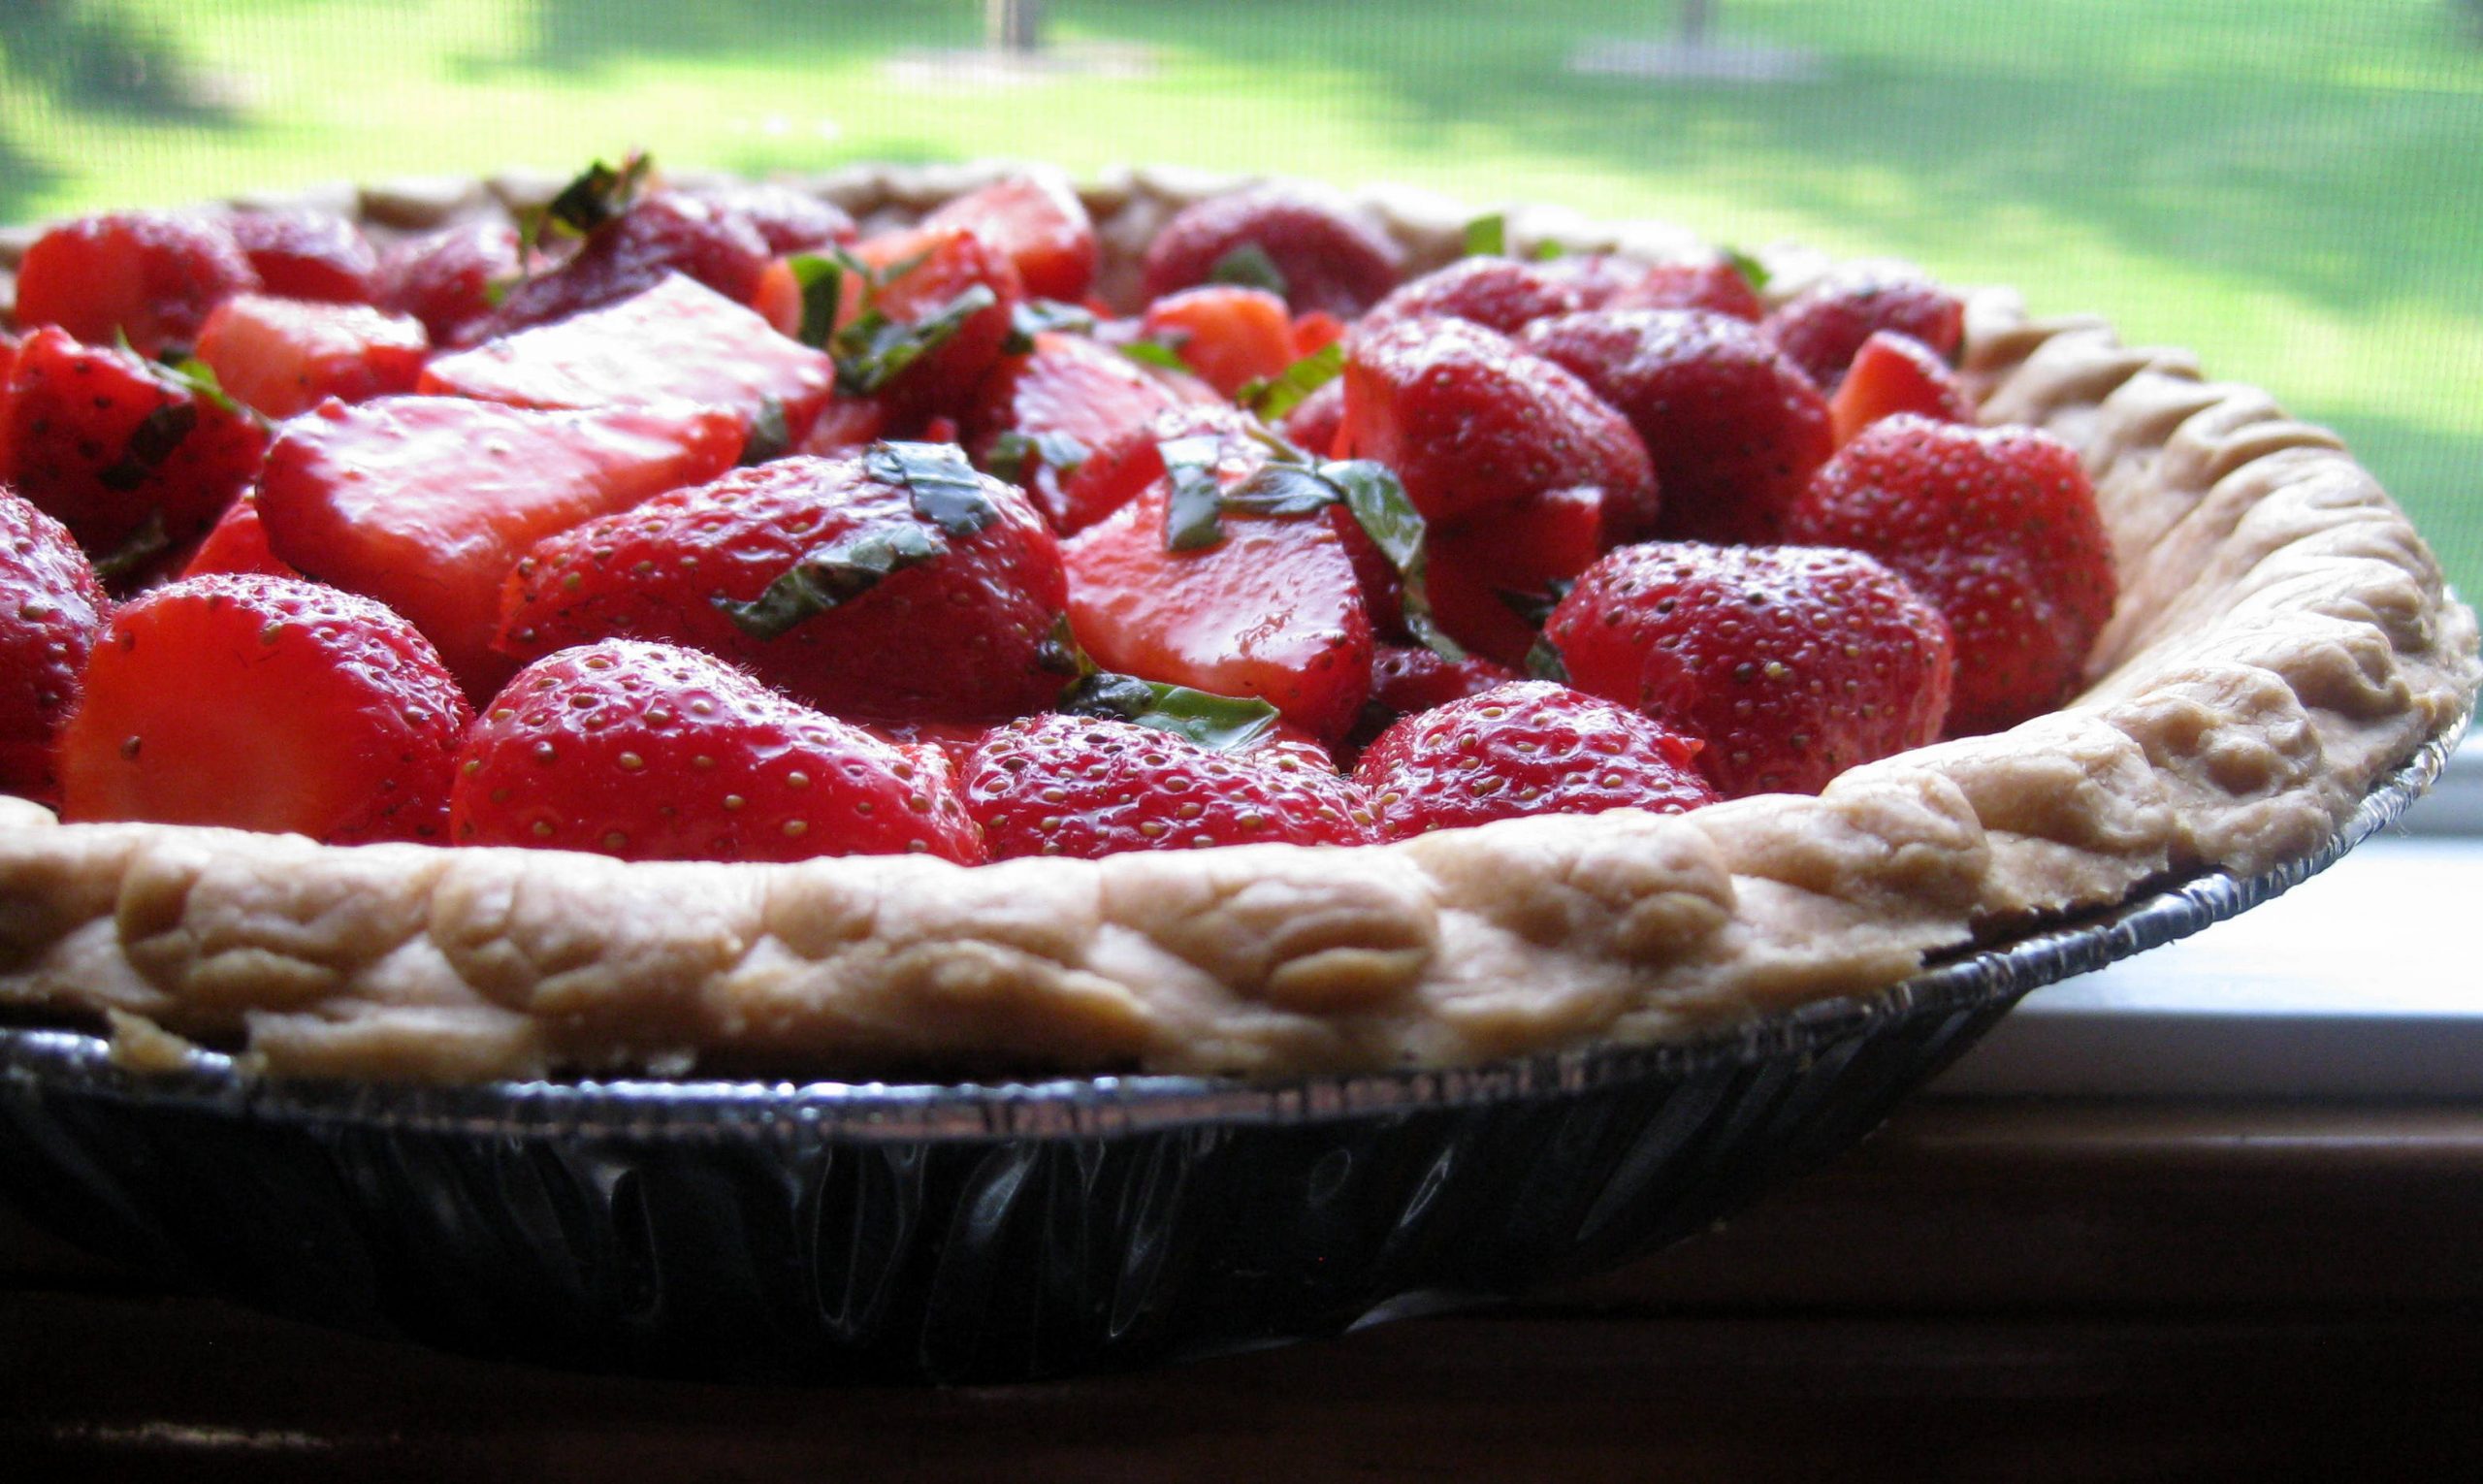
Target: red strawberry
[[447, 278], [47, 624], [1468, 420], [1037, 220], [1998, 526], [1229, 335], [1493, 576], [1894, 374], [1405, 681], [1734, 429], [1793, 663], [123, 452], [264, 703], [1315, 331], [1117, 469], [1087, 788], [315, 255], [674, 343], [237, 546], [427, 502], [1717, 285], [1496, 293], [1038, 418], [933, 268], [1315, 423], [785, 219], [150, 276], [845, 424], [1527, 747], [961, 627], [1326, 254], [1270, 610], [659, 234], [1823, 325], [283, 356], [650, 751]]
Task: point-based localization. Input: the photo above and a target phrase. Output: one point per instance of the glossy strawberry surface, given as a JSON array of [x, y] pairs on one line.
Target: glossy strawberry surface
[[1327, 256], [1822, 326], [1040, 418], [661, 234], [51, 604], [150, 276], [651, 751], [306, 254], [1038, 222], [1498, 294], [1229, 335], [1893, 373], [448, 278], [283, 356]]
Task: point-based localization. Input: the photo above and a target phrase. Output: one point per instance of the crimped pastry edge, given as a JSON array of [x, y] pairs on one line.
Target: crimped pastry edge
[[2284, 639]]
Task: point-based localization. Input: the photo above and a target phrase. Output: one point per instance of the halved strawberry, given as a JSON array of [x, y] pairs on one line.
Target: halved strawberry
[[237, 546], [48, 627], [1313, 249], [1893, 373], [283, 356], [132, 458], [300, 254], [926, 341], [891, 581], [264, 703], [1494, 576], [1821, 327], [675, 342], [1039, 417], [1038, 221], [1270, 610], [1229, 335], [1118, 467], [657, 235], [1318, 419], [447, 278], [427, 502], [150, 275], [650, 751]]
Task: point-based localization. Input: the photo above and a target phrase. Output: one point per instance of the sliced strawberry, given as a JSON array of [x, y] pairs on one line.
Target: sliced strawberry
[[1039, 417], [778, 298], [926, 276], [1088, 788], [237, 546], [1317, 252], [1272, 610], [1525, 748], [150, 276], [1735, 429], [313, 255], [1998, 526], [846, 423], [264, 703], [890, 583], [1316, 421], [1117, 468], [1496, 293], [675, 342], [658, 235], [1314, 331], [1492, 576], [1793, 663], [1229, 336], [130, 457], [447, 278], [284, 356], [47, 625], [650, 751], [1468, 420], [427, 502], [1893, 373], [1821, 327], [1037, 220]]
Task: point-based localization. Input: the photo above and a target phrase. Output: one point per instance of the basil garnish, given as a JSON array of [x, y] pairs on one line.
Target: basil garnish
[[157, 434], [769, 438], [1160, 354], [1198, 496], [598, 195], [822, 281], [1749, 268], [872, 351], [1224, 724], [836, 573], [1272, 396], [1544, 663], [1038, 316], [1012, 451], [1488, 237], [1248, 265], [944, 487], [1381, 507]]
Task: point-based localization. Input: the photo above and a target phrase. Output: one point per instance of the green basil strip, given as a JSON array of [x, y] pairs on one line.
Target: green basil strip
[[1544, 663], [1223, 723], [598, 195], [1548, 251], [1155, 353], [1272, 398], [1012, 451], [945, 489], [149, 444], [1248, 265], [769, 438], [823, 282], [1488, 237], [1192, 518], [1749, 268], [202, 382], [836, 573], [1380, 506], [1281, 490], [1041, 316], [874, 350]]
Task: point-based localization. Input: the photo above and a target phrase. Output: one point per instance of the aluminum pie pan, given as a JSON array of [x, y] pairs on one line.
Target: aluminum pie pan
[[1004, 1231]]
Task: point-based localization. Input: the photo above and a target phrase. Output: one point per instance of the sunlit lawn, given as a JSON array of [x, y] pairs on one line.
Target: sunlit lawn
[[2294, 187]]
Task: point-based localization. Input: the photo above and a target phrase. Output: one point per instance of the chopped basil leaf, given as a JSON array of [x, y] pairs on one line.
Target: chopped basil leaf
[[137, 552], [149, 444], [1281, 490], [598, 195], [1060, 452], [1488, 237], [1038, 316], [838, 572], [1248, 265], [1534, 608], [1282, 449], [1191, 518], [202, 381], [944, 487], [1381, 507], [1155, 353], [823, 284], [770, 436], [1224, 724], [1061, 654], [874, 350], [1548, 251], [1544, 663], [1749, 268], [1272, 398]]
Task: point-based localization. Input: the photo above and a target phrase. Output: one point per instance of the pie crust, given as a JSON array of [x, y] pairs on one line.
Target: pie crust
[[2284, 639]]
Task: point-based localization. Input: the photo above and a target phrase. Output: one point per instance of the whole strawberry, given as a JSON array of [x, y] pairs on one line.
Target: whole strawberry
[[1316, 252], [1733, 429], [264, 703], [47, 623], [1084, 787], [1527, 747], [891, 583], [1823, 325], [659, 234], [1793, 663], [306, 254], [1998, 526], [650, 751], [1498, 294], [150, 276], [1405, 681], [1609, 282]]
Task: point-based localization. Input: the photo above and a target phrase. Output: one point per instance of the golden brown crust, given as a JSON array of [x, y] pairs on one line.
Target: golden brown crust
[[2284, 639]]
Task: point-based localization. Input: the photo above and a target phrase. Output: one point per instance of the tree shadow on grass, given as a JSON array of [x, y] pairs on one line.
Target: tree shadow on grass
[[574, 36], [23, 180]]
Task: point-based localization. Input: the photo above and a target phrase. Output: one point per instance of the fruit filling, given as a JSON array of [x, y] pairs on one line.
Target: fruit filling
[[705, 523]]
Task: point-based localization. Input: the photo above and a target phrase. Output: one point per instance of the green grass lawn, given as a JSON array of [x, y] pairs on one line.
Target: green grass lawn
[[2293, 187]]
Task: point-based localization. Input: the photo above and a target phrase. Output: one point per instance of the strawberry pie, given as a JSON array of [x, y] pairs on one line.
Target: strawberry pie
[[957, 622]]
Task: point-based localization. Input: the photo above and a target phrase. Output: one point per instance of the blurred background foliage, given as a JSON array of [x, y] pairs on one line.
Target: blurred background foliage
[[2292, 187]]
